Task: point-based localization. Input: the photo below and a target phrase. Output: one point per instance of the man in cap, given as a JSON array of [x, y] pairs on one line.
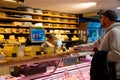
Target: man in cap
[[109, 41]]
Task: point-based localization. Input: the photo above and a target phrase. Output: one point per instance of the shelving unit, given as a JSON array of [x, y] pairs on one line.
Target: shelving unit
[[18, 23], [50, 20]]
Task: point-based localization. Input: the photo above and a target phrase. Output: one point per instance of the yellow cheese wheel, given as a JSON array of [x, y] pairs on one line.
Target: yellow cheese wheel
[[1, 37], [11, 37]]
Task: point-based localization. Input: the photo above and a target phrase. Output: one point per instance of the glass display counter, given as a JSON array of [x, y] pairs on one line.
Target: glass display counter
[[65, 67], [74, 72]]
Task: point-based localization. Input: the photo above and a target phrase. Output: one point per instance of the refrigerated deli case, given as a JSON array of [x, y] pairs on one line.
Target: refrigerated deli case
[[74, 67], [66, 67], [74, 72]]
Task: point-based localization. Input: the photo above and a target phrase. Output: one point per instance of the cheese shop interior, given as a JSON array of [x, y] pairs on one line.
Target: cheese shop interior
[[26, 24]]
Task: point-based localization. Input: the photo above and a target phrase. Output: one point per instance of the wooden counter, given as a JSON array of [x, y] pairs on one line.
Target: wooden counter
[[42, 58]]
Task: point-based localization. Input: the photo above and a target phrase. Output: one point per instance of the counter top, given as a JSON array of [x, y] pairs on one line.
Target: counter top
[[9, 61]]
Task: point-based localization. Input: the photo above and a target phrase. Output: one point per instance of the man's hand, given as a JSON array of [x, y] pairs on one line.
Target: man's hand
[[77, 47]]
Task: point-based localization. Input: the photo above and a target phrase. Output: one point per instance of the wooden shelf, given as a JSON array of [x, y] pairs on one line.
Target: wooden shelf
[[33, 20], [64, 33], [7, 25], [11, 26], [60, 28], [20, 19], [19, 12], [37, 14], [14, 33], [70, 41], [63, 17]]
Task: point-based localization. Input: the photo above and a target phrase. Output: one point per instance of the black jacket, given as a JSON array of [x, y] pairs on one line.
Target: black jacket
[[101, 69]]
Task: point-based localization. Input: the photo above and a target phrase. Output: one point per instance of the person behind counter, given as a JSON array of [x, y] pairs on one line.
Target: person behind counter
[[109, 43], [51, 43]]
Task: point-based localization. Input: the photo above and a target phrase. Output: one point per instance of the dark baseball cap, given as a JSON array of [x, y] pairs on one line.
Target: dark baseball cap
[[111, 14]]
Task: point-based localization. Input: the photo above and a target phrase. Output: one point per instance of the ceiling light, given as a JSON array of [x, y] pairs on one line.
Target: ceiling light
[[18, 1], [86, 5], [10, 0], [118, 8]]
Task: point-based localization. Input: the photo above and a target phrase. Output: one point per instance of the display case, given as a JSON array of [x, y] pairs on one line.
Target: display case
[[48, 67], [74, 72]]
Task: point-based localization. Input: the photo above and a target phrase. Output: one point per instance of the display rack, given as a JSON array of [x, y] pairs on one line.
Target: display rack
[[11, 22], [18, 23]]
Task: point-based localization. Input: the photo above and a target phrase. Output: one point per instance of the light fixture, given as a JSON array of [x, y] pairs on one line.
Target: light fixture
[[86, 5], [118, 8], [10, 0], [14, 0]]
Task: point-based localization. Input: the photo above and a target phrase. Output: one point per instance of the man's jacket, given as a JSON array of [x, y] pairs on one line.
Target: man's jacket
[[101, 69]]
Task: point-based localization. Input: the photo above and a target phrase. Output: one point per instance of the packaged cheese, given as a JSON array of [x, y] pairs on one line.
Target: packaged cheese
[[8, 50], [47, 12], [12, 37], [2, 30], [2, 38], [22, 39], [38, 11]]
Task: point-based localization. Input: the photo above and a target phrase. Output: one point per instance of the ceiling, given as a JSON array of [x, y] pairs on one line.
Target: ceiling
[[71, 6], [67, 6]]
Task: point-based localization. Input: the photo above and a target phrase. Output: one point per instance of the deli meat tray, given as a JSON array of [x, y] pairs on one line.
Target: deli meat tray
[[75, 72]]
